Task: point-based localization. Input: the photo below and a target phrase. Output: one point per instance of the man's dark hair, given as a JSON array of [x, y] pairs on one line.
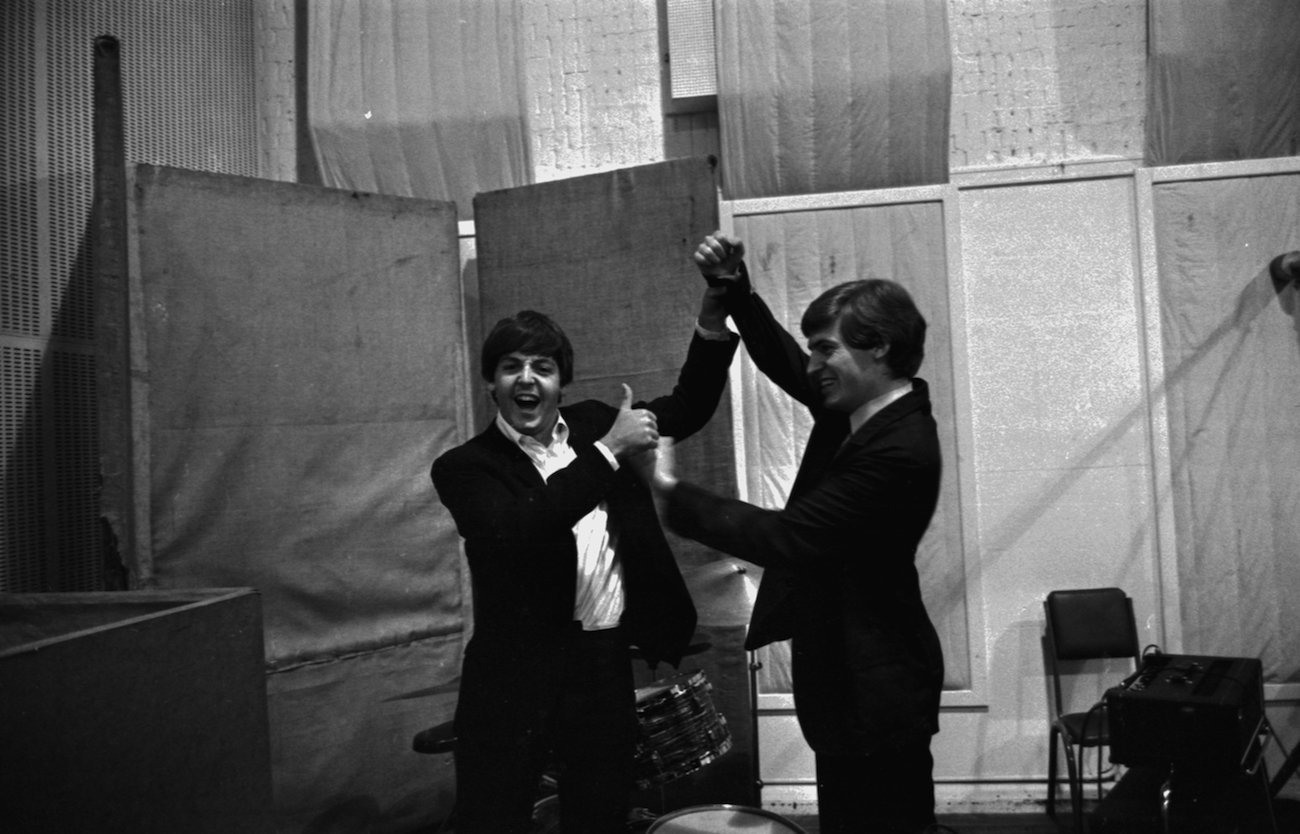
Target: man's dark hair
[[872, 313], [530, 333]]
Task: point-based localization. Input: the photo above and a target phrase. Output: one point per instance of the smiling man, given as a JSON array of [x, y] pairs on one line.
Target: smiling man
[[840, 580], [569, 568]]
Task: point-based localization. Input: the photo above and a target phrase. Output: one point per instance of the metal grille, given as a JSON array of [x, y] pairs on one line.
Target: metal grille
[[20, 310], [76, 458], [189, 90], [693, 64], [24, 540]]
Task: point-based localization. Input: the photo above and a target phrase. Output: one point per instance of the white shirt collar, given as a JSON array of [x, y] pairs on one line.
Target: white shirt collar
[[869, 409], [559, 435]]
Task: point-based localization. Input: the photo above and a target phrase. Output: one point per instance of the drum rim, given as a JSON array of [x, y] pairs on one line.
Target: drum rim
[[725, 806], [679, 683]]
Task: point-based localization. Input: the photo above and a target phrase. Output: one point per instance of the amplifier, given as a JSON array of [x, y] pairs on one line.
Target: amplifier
[[1186, 709]]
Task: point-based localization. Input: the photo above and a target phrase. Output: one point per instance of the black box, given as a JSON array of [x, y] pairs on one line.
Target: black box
[[1198, 710]]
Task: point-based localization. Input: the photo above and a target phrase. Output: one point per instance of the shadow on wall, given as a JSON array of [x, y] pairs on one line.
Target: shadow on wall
[[1279, 281]]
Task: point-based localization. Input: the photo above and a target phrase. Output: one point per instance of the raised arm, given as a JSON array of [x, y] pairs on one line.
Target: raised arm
[[776, 353]]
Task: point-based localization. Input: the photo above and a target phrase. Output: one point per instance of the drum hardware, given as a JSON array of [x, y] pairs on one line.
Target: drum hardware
[[705, 819]]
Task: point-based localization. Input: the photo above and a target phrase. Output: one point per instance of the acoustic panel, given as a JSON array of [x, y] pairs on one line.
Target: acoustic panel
[[134, 711]]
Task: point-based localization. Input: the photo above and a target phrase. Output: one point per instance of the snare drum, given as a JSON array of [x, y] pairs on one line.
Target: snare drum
[[681, 730], [706, 819]]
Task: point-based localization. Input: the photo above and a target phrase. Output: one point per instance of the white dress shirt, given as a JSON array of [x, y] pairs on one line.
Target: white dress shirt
[[599, 600]]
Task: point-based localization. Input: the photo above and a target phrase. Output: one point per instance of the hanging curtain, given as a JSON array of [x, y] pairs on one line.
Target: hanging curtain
[[1224, 80], [1232, 373], [418, 99], [832, 95]]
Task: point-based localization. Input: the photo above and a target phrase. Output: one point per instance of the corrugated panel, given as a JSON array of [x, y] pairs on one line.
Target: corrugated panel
[[188, 69], [22, 532]]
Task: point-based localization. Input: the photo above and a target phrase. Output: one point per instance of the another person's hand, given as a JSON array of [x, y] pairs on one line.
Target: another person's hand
[[657, 466], [634, 430], [665, 469], [718, 258]]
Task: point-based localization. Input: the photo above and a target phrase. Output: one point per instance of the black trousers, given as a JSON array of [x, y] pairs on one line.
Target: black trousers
[[887, 792], [585, 730]]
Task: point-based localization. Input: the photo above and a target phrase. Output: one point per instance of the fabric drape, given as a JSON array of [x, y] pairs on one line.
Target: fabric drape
[[297, 370], [1223, 80], [832, 95], [418, 99], [1232, 370]]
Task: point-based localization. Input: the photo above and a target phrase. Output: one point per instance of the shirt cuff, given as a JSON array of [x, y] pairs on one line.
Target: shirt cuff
[[609, 456]]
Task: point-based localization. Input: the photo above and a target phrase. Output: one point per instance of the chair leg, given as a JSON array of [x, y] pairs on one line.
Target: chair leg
[[1054, 738], [1100, 766], [1076, 786]]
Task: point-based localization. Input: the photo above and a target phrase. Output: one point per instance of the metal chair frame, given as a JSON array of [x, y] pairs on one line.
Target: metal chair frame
[[1083, 625]]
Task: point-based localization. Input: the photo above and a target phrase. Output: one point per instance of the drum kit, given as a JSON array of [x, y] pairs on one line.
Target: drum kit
[[681, 731]]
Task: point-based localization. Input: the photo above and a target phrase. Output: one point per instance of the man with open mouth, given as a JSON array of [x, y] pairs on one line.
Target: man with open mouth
[[569, 569]]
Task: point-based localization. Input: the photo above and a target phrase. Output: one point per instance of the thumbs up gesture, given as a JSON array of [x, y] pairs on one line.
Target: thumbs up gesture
[[634, 430]]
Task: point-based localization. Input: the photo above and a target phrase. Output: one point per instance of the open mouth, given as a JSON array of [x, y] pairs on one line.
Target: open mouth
[[527, 402]]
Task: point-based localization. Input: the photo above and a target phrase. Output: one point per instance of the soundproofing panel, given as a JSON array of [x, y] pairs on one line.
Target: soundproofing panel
[[692, 56], [190, 100], [137, 711], [297, 365], [1231, 350]]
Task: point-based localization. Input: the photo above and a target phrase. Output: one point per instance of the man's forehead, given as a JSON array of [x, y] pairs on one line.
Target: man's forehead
[[827, 335], [517, 356]]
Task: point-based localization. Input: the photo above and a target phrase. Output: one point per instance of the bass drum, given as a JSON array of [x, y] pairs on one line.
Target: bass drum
[[713, 819]]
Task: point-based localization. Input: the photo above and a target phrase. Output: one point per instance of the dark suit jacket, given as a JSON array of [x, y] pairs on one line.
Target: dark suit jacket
[[839, 575], [522, 553]]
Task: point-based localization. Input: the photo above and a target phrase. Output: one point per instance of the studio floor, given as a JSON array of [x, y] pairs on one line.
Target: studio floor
[[1287, 814], [976, 824]]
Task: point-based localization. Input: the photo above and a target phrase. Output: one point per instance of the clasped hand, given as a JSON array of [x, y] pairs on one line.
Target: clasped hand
[[634, 437]]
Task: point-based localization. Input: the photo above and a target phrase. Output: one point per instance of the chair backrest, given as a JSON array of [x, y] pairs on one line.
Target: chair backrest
[[1089, 624]]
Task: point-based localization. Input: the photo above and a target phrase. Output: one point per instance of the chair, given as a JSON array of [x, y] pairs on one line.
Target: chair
[[1083, 625]]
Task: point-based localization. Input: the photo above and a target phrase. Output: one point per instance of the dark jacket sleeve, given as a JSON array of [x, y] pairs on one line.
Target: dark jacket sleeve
[[868, 494], [700, 383], [491, 501], [776, 353]]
